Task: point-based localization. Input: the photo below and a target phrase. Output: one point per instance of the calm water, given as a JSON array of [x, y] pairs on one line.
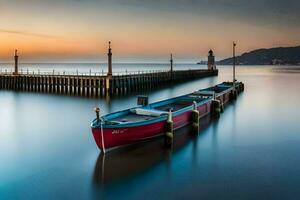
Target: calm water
[[252, 152]]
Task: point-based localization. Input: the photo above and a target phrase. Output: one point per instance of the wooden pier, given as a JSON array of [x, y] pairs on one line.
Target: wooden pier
[[98, 85]]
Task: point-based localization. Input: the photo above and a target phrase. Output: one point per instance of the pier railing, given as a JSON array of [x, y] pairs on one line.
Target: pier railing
[[80, 73]]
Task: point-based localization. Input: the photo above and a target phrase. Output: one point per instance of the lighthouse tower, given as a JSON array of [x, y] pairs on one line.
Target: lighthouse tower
[[211, 61]]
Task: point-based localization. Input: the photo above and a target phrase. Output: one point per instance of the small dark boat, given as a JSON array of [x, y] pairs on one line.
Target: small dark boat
[[145, 122]]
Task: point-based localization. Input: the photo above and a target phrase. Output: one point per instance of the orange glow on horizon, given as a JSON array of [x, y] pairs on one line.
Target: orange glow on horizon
[[83, 32], [143, 45]]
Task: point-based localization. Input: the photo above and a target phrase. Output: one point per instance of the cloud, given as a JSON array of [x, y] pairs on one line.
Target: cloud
[[25, 33], [280, 12]]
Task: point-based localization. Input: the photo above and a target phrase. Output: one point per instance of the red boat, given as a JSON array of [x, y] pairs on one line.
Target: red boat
[[145, 122]]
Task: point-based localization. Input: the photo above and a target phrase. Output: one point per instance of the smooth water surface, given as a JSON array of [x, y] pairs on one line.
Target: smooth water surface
[[252, 152]]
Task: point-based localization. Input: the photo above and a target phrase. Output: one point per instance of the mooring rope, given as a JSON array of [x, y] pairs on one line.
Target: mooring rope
[[102, 136]]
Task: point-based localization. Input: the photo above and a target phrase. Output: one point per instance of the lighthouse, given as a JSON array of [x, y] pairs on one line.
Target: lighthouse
[[211, 61]]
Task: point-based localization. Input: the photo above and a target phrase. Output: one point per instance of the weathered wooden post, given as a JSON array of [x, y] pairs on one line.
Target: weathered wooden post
[[92, 87], [71, 85], [38, 84], [216, 106], [169, 130], [88, 86], [242, 87], [233, 94], [84, 87], [101, 86], [75, 86], [195, 118], [222, 106], [67, 83]]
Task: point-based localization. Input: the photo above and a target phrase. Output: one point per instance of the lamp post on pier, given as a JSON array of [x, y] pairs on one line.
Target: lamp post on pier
[[171, 62], [234, 45], [109, 73], [16, 72]]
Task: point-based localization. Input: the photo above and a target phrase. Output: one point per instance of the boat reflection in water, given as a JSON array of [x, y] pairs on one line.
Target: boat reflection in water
[[135, 159]]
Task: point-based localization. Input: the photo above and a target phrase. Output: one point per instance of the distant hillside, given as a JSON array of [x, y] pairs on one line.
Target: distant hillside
[[273, 56]]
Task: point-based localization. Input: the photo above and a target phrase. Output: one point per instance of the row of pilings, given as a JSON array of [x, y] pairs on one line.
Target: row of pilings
[[96, 86]]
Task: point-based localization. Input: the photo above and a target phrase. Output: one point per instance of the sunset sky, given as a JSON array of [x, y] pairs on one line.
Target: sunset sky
[[140, 30]]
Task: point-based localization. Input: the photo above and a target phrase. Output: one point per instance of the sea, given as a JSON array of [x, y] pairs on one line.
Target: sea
[[47, 150]]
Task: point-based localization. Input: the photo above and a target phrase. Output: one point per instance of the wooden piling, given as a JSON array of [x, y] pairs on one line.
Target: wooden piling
[[195, 117], [169, 130]]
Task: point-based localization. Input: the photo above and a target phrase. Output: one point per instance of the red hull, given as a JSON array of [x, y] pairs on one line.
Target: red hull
[[117, 137]]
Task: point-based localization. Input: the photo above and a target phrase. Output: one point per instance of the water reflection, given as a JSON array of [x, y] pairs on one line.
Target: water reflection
[[50, 137], [131, 161], [117, 165], [234, 120]]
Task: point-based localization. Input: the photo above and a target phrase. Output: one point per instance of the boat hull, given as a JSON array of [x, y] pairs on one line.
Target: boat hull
[[108, 138], [117, 137]]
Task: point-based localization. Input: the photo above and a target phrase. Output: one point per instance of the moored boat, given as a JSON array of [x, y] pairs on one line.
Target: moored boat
[[145, 122]]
